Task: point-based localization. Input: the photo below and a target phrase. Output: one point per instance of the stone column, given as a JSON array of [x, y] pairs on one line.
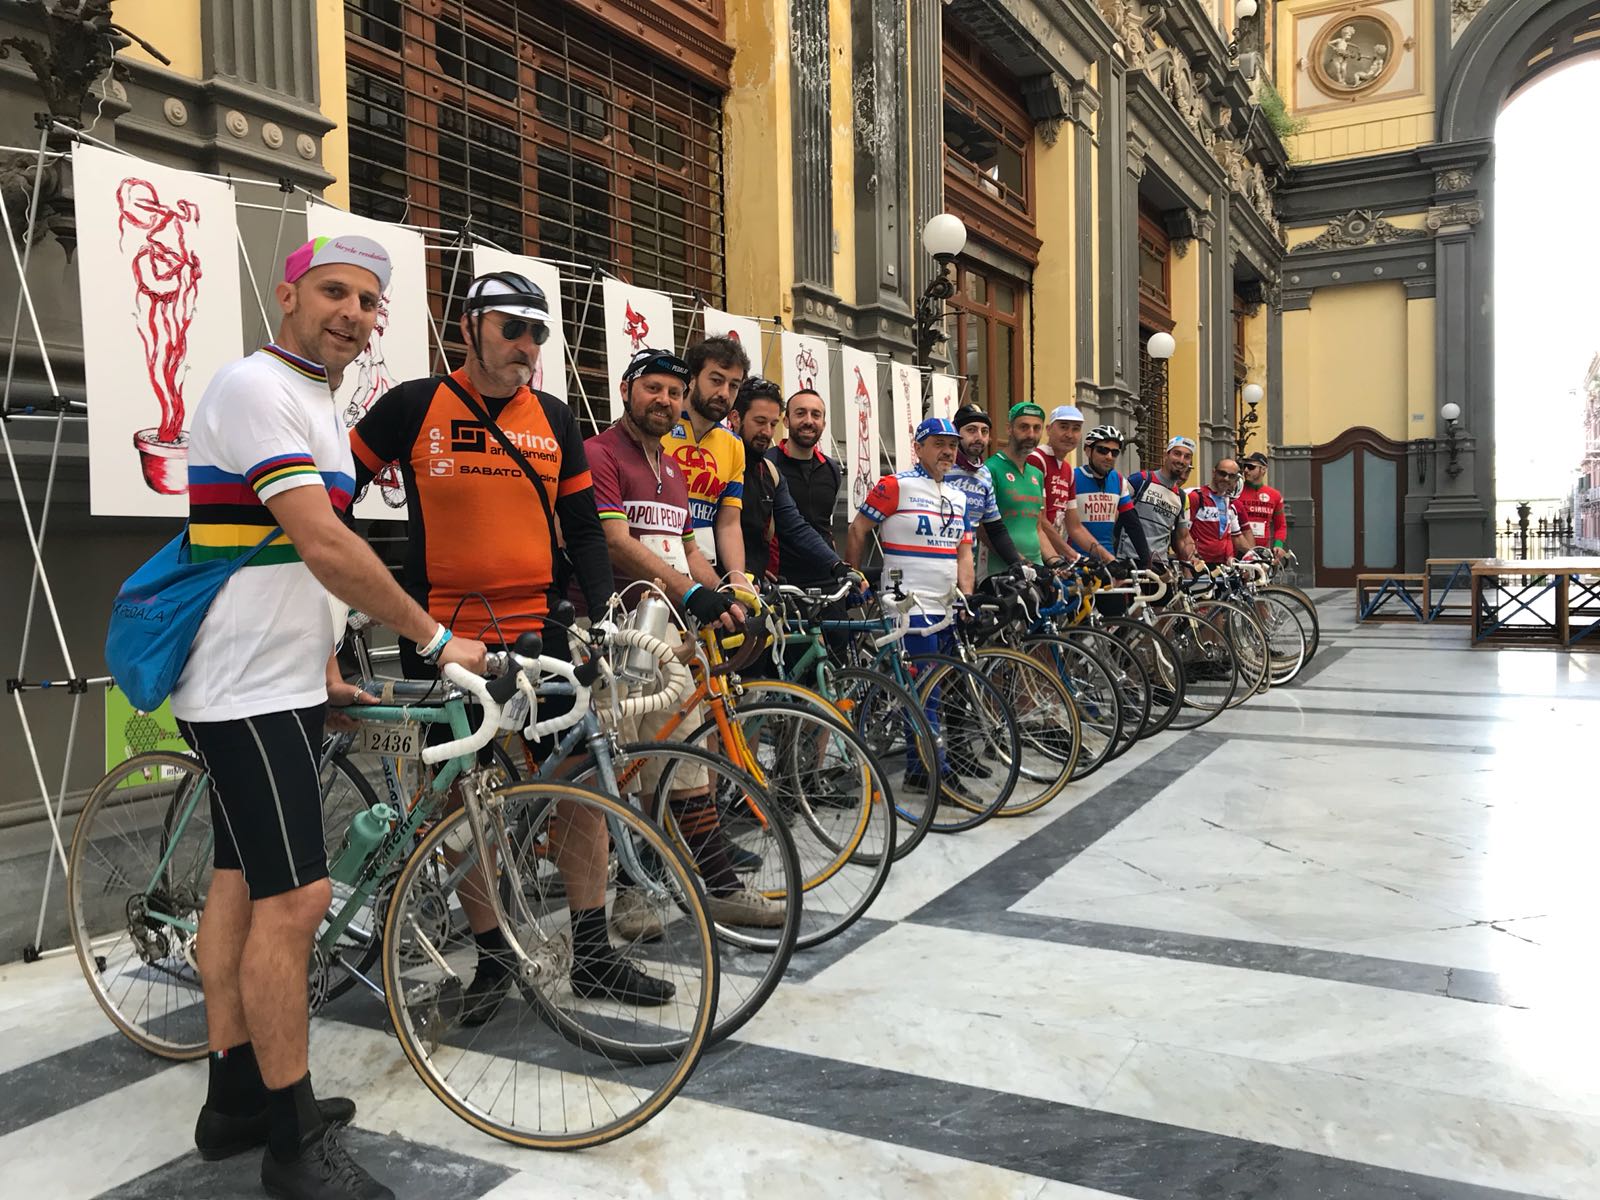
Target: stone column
[[268, 44], [927, 140], [1085, 103], [1459, 517], [883, 173], [816, 304]]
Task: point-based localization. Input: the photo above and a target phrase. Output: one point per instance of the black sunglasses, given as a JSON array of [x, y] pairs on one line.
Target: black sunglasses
[[1226, 474], [513, 328], [1113, 452]]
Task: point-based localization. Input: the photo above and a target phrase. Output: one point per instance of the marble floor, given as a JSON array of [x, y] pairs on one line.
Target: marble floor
[[1336, 944]]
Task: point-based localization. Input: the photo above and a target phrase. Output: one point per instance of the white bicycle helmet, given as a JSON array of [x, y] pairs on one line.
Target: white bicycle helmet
[[1104, 433]]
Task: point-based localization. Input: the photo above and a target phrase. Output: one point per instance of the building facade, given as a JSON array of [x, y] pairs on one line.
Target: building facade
[[1387, 289], [1586, 494]]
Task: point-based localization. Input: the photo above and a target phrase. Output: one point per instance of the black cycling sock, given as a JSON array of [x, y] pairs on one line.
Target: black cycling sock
[[702, 831], [494, 956], [591, 938], [235, 1088], [294, 1119]]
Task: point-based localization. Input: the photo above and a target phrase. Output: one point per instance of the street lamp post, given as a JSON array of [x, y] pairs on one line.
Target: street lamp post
[[944, 237], [1160, 348], [1452, 414], [1251, 394]]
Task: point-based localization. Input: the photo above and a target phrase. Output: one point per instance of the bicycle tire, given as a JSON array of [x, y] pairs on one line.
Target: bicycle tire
[[769, 954], [1049, 725], [1096, 698], [844, 857], [1130, 676], [1209, 667], [1286, 637], [421, 1018], [1306, 609], [1251, 647], [968, 805], [109, 852], [871, 696], [1159, 658]]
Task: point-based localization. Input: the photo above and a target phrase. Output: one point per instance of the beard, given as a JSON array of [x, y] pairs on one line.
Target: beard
[[1023, 447], [653, 417], [975, 450], [759, 444], [805, 438], [713, 408]]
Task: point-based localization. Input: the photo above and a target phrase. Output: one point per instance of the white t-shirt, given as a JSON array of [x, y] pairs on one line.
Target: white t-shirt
[[265, 425], [922, 525]]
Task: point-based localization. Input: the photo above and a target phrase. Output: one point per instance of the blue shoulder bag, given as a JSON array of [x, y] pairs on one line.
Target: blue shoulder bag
[[157, 614]]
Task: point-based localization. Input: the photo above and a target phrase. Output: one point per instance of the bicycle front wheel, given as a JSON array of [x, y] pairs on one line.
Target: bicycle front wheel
[[1049, 730], [1209, 668], [570, 1066], [137, 876], [980, 749]]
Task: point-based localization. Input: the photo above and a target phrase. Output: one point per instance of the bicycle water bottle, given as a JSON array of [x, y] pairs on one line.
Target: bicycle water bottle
[[367, 828], [639, 666]]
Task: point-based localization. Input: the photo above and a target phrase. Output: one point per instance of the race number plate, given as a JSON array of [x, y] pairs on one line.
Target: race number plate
[[382, 737]]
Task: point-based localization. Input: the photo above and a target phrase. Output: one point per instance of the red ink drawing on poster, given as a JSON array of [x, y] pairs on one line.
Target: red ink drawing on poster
[[911, 411], [805, 366], [637, 328], [166, 285], [373, 380], [864, 463]]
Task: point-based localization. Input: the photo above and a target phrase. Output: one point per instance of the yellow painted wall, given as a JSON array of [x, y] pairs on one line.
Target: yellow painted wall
[[1347, 362], [171, 26], [1358, 128], [1255, 350], [334, 99], [842, 83], [1054, 285], [1183, 370], [757, 167]]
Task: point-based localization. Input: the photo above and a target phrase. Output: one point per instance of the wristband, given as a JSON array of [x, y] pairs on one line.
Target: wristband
[[430, 652], [693, 588]]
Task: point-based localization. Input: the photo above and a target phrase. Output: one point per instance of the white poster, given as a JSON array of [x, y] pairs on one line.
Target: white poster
[[905, 383], [550, 372], [861, 437], [636, 318], [946, 393], [744, 330], [158, 260], [399, 349]]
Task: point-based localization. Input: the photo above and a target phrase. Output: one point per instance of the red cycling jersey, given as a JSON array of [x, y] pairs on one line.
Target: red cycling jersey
[[1214, 522], [1261, 511]]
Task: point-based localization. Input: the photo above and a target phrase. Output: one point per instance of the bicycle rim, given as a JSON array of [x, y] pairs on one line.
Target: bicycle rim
[[137, 875], [1156, 654], [1129, 677], [555, 1071], [1210, 669], [1049, 725], [887, 717], [977, 736], [1306, 610]]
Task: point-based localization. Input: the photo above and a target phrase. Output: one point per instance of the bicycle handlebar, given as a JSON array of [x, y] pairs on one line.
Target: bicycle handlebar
[[475, 685]]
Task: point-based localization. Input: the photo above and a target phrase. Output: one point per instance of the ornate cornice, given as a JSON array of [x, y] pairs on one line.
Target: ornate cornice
[[1049, 99], [1359, 227], [1454, 218]]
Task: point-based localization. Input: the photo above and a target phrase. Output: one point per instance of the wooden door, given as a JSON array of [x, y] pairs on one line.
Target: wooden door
[[1358, 484]]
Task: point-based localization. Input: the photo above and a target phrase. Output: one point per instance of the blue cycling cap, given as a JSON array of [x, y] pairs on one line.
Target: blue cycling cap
[[935, 427]]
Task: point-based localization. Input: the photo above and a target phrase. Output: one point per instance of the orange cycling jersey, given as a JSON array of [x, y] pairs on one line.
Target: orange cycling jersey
[[474, 526]]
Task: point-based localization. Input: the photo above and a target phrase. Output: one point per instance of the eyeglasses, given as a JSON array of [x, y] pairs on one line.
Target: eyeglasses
[[1112, 451], [1226, 474], [513, 328], [1255, 466]]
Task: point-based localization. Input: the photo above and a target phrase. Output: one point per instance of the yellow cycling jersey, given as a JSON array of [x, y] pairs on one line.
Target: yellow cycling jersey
[[714, 469]]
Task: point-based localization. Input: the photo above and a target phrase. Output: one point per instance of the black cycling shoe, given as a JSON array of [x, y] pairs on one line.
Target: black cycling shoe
[[218, 1136], [966, 764], [484, 994], [745, 862], [612, 977], [324, 1171]]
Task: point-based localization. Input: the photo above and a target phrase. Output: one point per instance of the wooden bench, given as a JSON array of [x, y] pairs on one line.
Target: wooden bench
[[1456, 573], [1551, 603], [1375, 591]]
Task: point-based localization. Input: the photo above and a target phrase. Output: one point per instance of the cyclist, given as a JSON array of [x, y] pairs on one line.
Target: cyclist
[[710, 455], [970, 474], [1063, 435], [814, 478], [1105, 504], [1261, 507], [769, 513], [926, 534], [643, 500], [1019, 486], [1158, 499], [1214, 520], [470, 570], [267, 448]]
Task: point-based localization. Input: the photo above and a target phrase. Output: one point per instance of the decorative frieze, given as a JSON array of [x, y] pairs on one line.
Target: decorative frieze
[[1457, 179], [1454, 218], [1049, 102], [1123, 17], [1359, 227]]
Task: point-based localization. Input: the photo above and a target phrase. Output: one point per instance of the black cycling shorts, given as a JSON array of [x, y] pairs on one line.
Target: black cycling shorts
[[266, 798]]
